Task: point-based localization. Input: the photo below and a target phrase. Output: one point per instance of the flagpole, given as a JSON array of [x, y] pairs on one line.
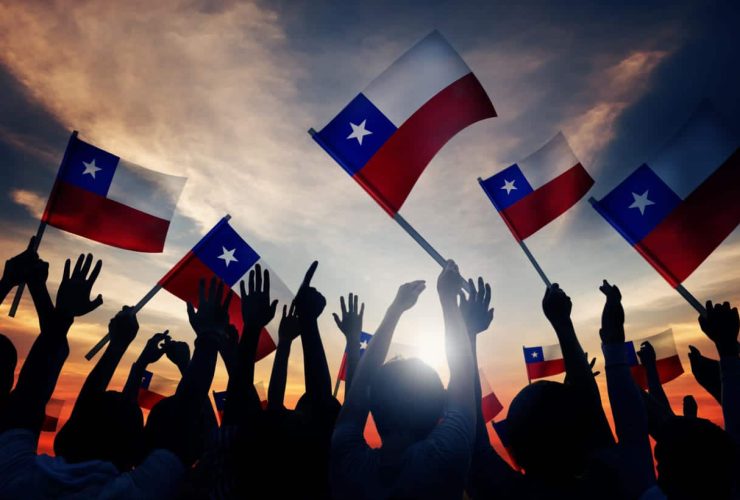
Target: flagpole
[[336, 387], [522, 245], [42, 227], [419, 239], [97, 347], [529, 380], [691, 300]]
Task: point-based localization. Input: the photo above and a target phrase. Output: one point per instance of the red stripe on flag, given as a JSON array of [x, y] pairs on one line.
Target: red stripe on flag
[[668, 369], [95, 217], [392, 172], [342, 375], [540, 207], [147, 399], [545, 368], [490, 407], [183, 282], [690, 233]]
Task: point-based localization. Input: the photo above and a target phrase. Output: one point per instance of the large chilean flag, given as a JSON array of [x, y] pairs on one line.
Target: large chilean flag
[[385, 137], [666, 358], [534, 191], [108, 199], [678, 207], [223, 254], [543, 361]]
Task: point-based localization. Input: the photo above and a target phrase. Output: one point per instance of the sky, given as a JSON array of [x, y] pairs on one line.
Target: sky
[[223, 92]]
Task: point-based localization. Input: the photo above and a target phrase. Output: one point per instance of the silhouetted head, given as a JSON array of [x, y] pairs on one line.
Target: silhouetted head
[[108, 427], [696, 459], [406, 399], [8, 360], [167, 428], [548, 430]]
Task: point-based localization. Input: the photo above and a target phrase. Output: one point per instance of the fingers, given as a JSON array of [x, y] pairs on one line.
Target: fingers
[[273, 308], [336, 320], [251, 282], [355, 304], [191, 311], [362, 311], [291, 312], [258, 277], [342, 306], [97, 302], [86, 265], [309, 274], [285, 311], [266, 282], [78, 264], [95, 272], [242, 289], [487, 296], [67, 264]]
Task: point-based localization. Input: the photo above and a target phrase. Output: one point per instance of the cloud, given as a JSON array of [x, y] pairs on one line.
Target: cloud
[[34, 203]]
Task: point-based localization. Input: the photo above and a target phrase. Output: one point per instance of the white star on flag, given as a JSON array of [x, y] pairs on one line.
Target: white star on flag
[[358, 131], [90, 168], [509, 186], [534, 354], [228, 256], [363, 345], [641, 201]]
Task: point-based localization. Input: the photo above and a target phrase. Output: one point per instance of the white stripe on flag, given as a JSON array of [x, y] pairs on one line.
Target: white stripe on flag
[[550, 352], [663, 343], [151, 192], [697, 150], [548, 162], [421, 73]]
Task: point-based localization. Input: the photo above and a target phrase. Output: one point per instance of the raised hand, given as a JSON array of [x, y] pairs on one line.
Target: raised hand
[[591, 365], [556, 305], [690, 408], [211, 320], [309, 302], [228, 347], [17, 268], [721, 324], [178, 352], [351, 322], [646, 354], [257, 310], [290, 326], [155, 348], [706, 371], [612, 317], [123, 327], [408, 294], [449, 282], [475, 307], [73, 296]]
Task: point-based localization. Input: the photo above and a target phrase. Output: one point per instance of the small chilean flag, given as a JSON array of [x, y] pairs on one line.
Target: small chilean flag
[[677, 208], [543, 361], [51, 418], [385, 137], [223, 254], [364, 341], [666, 358], [490, 405], [148, 397], [108, 199], [533, 192]]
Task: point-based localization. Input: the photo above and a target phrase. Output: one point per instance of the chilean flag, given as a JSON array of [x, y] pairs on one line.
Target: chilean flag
[[677, 208], [108, 199], [385, 137], [490, 405], [223, 254], [666, 358], [526, 194], [147, 396], [364, 341], [51, 417], [543, 361]]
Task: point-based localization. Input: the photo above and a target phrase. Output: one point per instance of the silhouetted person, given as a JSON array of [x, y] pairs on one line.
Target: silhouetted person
[[8, 361], [427, 435]]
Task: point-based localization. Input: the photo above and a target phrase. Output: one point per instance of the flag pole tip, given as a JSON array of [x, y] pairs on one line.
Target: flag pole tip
[[311, 132]]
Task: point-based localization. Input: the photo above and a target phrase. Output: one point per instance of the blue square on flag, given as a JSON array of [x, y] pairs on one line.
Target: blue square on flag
[[638, 204], [146, 379], [533, 354], [89, 168], [506, 187], [356, 133], [226, 254], [220, 399]]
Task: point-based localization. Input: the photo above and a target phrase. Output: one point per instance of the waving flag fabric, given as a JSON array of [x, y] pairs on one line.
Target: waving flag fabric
[[223, 254], [385, 137], [490, 405], [51, 417], [677, 208], [151, 395], [543, 361], [533, 192], [666, 358], [364, 341], [108, 199]]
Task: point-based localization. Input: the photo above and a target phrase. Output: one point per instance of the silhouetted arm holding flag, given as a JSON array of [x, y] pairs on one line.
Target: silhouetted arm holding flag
[[655, 388], [152, 352], [17, 268], [707, 373], [350, 325], [721, 324], [287, 332], [557, 307]]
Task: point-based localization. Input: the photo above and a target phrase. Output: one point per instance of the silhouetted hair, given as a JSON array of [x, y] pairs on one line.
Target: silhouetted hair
[[8, 361], [546, 423], [696, 459], [406, 396], [108, 427]]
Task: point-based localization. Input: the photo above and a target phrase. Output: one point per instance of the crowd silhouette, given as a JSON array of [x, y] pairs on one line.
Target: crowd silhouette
[[435, 443]]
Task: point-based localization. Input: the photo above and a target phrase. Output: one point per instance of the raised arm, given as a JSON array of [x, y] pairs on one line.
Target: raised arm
[[152, 352], [655, 388], [309, 304], [17, 269], [707, 373], [721, 324], [287, 332], [350, 325], [557, 307], [628, 410]]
